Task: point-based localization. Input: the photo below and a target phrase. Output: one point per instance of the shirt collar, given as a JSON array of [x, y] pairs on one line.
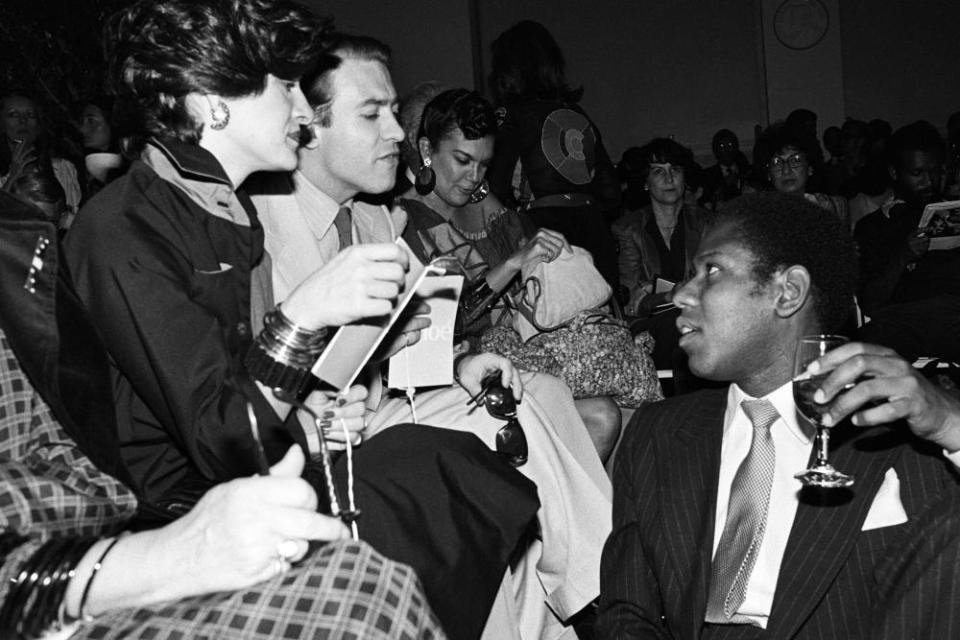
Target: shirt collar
[[197, 172], [318, 209], [782, 400]]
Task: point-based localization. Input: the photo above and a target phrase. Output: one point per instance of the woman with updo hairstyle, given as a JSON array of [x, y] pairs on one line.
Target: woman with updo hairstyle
[[456, 144], [567, 180]]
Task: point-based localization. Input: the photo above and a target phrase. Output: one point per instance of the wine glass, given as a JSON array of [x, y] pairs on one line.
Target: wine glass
[[809, 348]]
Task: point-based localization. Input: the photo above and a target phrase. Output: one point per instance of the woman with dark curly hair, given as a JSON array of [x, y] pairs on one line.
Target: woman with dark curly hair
[[162, 257]]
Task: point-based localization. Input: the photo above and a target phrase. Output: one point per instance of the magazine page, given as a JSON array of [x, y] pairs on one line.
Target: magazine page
[[429, 362], [941, 223]]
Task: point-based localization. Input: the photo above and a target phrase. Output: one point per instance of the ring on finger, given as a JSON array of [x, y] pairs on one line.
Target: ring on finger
[[287, 549]]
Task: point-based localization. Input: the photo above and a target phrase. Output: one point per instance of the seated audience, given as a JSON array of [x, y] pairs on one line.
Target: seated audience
[[312, 214], [910, 289], [564, 166], [657, 242], [162, 258], [25, 147], [713, 536], [785, 152], [238, 564], [724, 180]]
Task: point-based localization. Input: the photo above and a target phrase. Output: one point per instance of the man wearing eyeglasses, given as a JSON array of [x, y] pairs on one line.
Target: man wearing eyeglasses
[[312, 214], [910, 287]]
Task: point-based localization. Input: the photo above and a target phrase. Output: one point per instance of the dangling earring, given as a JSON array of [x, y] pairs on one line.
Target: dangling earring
[[426, 179], [480, 192], [220, 115]]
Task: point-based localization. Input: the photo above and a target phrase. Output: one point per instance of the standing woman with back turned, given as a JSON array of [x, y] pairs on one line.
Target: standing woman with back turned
[[564, 166]]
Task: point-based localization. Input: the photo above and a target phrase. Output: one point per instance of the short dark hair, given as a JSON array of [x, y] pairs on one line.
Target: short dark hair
[[919, 136], [782, 230], [527, 64], [317, 82], [663, 150], [161, 51], [455, 109], [780, 136]]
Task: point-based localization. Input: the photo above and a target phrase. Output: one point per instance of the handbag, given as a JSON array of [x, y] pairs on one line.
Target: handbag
[[594, 354], [554, 292]]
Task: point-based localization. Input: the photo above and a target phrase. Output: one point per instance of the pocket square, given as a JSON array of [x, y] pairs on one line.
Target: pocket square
[[886, 510], [224, 267]]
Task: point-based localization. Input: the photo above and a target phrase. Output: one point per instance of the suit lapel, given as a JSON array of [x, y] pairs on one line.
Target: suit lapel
[[688, 470], [826, 528]]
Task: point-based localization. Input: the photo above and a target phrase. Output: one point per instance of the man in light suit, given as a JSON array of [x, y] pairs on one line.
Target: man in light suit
[[769, 270]]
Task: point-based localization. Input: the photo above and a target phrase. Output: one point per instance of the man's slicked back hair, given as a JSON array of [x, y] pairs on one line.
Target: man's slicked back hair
[[317, 82]]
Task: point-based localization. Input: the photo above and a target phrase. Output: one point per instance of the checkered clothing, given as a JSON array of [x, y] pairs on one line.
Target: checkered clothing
[[344, 590], [47, 487]]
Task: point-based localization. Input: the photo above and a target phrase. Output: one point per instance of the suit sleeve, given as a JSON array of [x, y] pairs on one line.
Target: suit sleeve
[[630, 601]]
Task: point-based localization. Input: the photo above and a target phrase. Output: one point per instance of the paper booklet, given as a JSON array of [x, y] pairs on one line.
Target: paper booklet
[[429, 362], [941, 223], [352, 345]]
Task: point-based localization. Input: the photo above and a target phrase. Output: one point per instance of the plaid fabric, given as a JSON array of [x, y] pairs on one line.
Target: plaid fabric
[[344, 590], [48, 486]]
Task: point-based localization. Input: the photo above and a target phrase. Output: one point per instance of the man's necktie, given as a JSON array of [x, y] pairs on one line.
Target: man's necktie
[[342, 223], [746, 518]]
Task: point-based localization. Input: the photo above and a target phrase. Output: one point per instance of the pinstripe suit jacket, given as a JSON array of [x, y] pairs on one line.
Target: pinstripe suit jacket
[[656, 563]]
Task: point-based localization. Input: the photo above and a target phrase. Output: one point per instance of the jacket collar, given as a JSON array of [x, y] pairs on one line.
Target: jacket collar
[[198, 173]]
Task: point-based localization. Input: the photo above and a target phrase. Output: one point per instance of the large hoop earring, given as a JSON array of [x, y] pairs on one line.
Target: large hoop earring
[[219, 115], [425, 179]]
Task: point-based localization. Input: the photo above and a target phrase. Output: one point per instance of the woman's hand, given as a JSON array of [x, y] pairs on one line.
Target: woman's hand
[[338, 413], [245, 531], [883, 387], [362, 281], [23, 157], [545, 246], [471, 370]]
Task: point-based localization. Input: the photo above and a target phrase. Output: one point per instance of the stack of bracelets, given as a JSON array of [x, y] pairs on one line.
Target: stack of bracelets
[[283, 353], [35, 599]]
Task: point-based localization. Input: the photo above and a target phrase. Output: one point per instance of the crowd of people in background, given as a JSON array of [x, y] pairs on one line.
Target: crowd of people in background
[[175, 263]]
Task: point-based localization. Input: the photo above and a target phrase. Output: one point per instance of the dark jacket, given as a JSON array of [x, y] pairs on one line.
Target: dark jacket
[[167, 283]]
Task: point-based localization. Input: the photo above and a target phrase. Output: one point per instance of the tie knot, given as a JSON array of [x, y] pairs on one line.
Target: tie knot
[[761, 412]]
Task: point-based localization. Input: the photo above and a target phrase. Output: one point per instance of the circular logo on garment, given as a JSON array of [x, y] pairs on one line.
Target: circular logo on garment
[[568, 141]]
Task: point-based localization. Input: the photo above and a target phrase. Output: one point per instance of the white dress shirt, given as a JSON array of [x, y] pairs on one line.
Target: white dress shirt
[[793, 443]]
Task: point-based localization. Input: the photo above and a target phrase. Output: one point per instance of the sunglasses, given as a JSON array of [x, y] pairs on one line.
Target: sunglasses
[[500, 404]]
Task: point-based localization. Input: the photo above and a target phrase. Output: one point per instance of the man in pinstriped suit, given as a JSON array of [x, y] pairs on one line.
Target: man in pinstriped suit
[[771, 269]]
